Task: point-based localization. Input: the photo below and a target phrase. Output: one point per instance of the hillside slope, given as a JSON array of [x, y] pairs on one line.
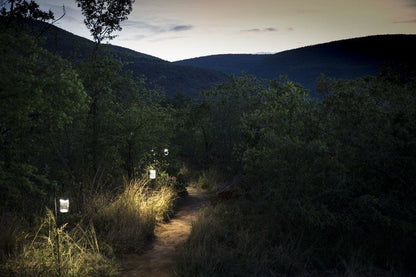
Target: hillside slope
[[171, 77], [345, 59]]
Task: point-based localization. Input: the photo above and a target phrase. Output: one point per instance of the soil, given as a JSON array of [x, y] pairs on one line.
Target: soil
[[159, 260]]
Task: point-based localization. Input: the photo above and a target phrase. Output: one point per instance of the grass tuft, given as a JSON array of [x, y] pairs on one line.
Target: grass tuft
[[127, 222], [54, 251]]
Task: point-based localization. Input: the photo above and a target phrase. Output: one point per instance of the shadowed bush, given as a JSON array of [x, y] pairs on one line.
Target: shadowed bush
[[220, 245], [329, 185]]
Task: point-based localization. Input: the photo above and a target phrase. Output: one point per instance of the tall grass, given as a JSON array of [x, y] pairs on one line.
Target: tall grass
[[226, 241], [127, 222], [54, 251], [123, 223], [250, 238], [11, 228]]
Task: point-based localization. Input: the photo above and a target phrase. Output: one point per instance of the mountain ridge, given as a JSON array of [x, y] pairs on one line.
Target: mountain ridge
[[345, 59], [341, 59], [159, 73]]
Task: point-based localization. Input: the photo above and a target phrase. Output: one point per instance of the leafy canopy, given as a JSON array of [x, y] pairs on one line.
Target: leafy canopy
[[25, 9], [103, 17]]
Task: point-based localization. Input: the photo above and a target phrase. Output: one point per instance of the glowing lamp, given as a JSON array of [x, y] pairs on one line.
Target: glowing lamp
[[166, 152], [152, 174], [63, 205]]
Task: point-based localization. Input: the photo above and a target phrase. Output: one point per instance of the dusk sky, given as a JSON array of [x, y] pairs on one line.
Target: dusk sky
[[180, 29]]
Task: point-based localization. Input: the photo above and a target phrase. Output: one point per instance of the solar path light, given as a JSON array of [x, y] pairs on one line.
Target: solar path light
[[152, 174], [63, 205]]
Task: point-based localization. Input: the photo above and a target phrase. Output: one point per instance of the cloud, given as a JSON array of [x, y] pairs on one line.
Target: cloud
[[257, 30], [252, 30], [134, 37], [412, 3], [156, 28], [411, 21], [137, 24], [166, 38], [270, 29], [180, 28]]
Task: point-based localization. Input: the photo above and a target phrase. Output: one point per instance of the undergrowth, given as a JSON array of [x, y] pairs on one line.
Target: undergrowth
[[127, 222], [110, 225], [209, 180], [55, 251]]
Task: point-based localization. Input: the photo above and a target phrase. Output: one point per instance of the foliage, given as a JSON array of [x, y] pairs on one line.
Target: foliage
[[125, 121], [127, 222], [210, 179], [321, 178], [103, 17], [79, 253], [216, 122], [24, 9], [41, 97], [221, 245]]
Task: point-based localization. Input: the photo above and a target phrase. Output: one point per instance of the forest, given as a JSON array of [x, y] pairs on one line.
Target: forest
[[317, 186]]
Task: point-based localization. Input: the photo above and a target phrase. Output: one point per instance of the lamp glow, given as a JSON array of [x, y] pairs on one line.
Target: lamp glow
[[63, 205], [152, 174], [166, 152]]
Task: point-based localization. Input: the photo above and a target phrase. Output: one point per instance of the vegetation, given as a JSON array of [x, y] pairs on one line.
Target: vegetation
[[85, 130], [54, 251], [128, 221], [315, 186], [326, 186]]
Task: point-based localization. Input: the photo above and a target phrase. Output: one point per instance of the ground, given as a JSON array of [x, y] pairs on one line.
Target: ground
[[158, 261]]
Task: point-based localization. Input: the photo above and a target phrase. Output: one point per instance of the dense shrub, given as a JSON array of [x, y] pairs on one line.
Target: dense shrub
[[330, 183]]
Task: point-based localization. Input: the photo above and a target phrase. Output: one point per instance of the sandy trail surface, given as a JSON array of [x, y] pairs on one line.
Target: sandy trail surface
[[158, 261]]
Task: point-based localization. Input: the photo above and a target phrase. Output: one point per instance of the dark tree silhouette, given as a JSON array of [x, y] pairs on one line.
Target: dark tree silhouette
[[25, 9], [103, 17]]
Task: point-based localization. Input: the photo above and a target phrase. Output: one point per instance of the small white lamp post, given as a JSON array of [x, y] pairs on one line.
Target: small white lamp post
[[152, 174], [63, 205], [63, 208]]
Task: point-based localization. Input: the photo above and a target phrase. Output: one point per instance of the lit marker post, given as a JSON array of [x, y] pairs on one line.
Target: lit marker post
[[152, 174], [63, 205], [63, 208]]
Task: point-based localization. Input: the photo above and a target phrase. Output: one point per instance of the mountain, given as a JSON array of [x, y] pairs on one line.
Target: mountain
[[159, 73], [344, 59]]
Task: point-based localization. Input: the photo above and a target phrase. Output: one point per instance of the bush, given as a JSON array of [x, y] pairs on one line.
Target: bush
[[229, 240], [330, 185], [11, 230], [210, 179]]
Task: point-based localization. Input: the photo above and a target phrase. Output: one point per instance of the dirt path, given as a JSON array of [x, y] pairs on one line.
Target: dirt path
[[159, 260]]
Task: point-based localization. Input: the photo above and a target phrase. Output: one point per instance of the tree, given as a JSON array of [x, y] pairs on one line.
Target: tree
[[220, 127], [103, 17], [40, 98], [25, 9]]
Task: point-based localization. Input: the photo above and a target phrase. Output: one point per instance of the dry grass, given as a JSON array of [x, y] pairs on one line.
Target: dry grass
[[127, 222], [55, 251], [124, 223]]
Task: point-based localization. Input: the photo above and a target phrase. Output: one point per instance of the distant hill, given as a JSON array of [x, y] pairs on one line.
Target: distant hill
[[171, 77], [344, 59]]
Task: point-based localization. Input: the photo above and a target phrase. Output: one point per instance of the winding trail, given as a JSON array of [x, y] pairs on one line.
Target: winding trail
[[158, 261]]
